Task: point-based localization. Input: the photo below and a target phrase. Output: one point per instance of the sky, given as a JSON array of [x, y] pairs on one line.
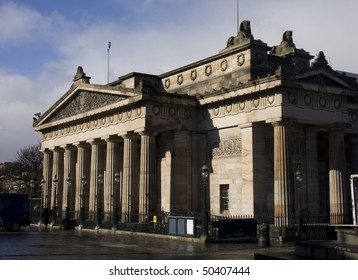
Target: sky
[[42, 42]]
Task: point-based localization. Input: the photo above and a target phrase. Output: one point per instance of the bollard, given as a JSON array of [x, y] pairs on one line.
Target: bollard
[[264, 235]]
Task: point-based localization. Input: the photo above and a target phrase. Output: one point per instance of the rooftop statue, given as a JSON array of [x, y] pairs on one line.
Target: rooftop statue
[[81, 76], [320, 60], [243, 36], [286, 47]]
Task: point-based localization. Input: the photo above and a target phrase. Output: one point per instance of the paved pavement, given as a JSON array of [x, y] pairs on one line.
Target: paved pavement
[[32, 244]]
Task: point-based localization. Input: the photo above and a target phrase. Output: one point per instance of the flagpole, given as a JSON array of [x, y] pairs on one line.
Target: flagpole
[[108, 48], [237, 16]]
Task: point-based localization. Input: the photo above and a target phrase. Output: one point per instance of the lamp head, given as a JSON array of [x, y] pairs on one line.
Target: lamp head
[[204, 172]]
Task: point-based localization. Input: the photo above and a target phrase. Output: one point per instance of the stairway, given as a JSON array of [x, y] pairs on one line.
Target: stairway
[[344, 248]]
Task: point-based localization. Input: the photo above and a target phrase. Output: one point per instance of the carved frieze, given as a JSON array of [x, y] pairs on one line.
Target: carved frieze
[[225, 148], [84, 102]]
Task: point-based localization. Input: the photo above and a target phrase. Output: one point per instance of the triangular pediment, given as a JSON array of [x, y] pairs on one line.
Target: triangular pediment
[[324, 77], [84, 101], [80, 100]]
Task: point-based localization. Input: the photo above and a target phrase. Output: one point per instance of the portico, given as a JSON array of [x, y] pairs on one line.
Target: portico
[[253, 113]]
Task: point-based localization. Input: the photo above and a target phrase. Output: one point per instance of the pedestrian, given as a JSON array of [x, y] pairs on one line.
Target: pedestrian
[[45, 216]]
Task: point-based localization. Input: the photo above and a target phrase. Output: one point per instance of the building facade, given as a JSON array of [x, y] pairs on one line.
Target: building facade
[[254, 114]]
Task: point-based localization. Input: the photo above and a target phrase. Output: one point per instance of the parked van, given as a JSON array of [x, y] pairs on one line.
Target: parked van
[[14, 211]]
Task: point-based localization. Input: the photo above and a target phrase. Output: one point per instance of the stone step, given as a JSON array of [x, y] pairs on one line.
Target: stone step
[[347, 236], [326, 250]]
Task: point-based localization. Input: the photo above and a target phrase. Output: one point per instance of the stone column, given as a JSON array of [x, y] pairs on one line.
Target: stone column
[[247, 158], [47, 176], [129, 188], [282, 192], [336, 176], [181, 172], [311, 189], [354, 155], [57, 171], [112, 165], [147, 174], [254, 180], [96, 169], [81, 169], [69, 171]]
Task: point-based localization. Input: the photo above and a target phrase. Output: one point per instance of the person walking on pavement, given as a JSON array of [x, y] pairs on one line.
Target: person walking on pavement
[[45, 216]]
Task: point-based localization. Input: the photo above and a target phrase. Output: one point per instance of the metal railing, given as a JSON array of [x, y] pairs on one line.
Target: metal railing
[[314, 226]]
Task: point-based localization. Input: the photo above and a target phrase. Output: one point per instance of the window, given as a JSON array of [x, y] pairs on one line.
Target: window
[[224, 198]]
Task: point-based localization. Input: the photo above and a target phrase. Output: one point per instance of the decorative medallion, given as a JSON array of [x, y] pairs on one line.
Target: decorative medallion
[[241, 59], [216, 111], [224, 65], [187, 113], [193, 75], [68, 129], [172, 111], [167, 83], [208, 70], [156, 110], [129, 114], [322, 102], [256, 102], [291, 97], [205, 114], [139, 111], [81, 126], [228, 108], [104, 120], [120, 116], [180, 79], [242, 105], [271, 99], [337, 104], [308, 99], [95, 123], [111, 119], [88, 124]]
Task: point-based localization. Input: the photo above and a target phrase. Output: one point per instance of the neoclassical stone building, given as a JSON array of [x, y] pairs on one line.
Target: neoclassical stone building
[[255, 114]]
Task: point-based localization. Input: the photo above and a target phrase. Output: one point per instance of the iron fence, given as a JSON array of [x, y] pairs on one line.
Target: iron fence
[[314, 226]]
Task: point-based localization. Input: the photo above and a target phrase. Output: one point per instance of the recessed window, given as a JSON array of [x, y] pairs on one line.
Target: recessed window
[[224, 198]]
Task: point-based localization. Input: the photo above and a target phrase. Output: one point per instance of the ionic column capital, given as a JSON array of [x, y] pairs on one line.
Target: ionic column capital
[[147, 133], [81, 144], [283, 122], [130, 136], [112, 139]]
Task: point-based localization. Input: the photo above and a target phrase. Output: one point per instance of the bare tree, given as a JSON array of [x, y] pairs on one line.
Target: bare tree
[[31, 161]]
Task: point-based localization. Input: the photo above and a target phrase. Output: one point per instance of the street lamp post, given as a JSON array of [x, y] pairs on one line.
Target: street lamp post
[[115, 200], [99, 200], [299, 179], [32, 186], [82, 197], [205, 222], [68, 207], [54, 206], [43, 182]]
